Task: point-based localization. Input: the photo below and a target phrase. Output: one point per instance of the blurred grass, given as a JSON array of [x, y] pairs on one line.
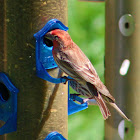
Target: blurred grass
[[86, 27]]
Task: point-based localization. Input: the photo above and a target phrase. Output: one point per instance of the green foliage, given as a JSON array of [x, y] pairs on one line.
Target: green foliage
[[86, 27]]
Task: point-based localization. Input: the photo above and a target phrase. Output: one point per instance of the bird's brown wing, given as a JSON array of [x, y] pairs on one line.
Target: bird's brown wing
[[74, 62]]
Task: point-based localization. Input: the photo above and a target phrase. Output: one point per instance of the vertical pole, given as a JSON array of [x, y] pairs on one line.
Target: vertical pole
[[42, 106], [122, 42]]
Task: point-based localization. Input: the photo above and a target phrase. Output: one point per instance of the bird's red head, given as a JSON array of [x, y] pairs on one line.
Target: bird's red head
[[58, 33], [58, 36]]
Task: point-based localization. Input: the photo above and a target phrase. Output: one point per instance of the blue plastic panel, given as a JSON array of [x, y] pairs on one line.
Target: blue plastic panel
[[74, 107], [8, 108], [44, 57], [54, 136]]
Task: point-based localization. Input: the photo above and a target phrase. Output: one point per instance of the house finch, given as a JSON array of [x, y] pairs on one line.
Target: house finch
[[71, 60]]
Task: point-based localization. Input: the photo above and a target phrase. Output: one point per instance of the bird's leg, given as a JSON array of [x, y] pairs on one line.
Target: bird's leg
[[86, 100], [67, 79]]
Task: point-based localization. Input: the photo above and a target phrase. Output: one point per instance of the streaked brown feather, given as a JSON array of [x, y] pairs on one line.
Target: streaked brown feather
[[74, 62], [103, 108]]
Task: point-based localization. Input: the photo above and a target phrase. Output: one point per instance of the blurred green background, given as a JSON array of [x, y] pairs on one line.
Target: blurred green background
[[86, 22]]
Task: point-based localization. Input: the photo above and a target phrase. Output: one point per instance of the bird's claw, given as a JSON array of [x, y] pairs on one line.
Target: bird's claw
[[85, 100], [90, 101], [67, 79]]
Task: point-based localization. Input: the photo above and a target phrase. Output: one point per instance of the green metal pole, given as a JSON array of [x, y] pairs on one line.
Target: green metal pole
[[122, 45], [42, 106]]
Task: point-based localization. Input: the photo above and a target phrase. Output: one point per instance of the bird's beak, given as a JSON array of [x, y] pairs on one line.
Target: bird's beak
[[49, 36]]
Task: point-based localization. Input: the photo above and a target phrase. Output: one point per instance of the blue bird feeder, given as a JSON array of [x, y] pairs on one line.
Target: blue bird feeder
[[8, 105], [44, 57], [74, 107], [54, 136]]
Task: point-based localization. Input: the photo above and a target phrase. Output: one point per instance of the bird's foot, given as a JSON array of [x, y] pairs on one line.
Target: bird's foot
[[86, 100], [67, 79], [90, 101]]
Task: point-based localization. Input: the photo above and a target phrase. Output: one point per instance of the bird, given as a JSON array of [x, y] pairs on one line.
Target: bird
[[72, 61]]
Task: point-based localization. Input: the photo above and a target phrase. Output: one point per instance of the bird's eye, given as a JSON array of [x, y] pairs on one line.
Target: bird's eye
[[56, 37]]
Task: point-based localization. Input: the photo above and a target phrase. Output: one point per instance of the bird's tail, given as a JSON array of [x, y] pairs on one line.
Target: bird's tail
[[119, 111], [103, 108]]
